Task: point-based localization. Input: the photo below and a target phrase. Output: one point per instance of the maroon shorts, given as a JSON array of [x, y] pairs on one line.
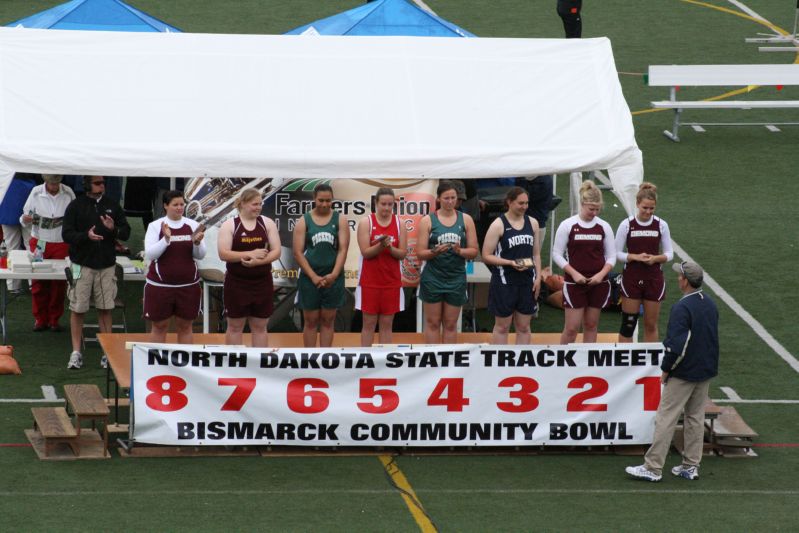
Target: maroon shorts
[[248, 297], [652, 289], [160, 303], [579, 296], [379, 301]]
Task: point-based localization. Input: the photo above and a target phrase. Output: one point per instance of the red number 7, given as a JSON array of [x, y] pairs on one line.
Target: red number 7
[[244, 387]]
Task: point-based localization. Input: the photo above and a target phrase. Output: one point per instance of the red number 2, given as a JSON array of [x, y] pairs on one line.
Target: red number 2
[[596, 387]]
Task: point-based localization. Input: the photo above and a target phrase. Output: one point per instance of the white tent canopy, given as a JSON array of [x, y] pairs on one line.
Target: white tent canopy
[[179, 104]]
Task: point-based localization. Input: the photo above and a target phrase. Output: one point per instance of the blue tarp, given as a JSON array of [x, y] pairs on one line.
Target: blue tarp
[[385, 17], [98, 15]]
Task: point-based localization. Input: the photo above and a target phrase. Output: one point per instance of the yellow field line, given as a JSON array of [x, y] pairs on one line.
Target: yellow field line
[[737, 14], [411, 500]]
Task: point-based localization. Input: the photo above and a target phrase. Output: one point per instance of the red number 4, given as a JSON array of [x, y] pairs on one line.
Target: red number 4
[[454, 399]]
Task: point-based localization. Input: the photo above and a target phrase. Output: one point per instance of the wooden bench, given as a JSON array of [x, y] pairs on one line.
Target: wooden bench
[[88, 405], [675, 76], [55, 426]]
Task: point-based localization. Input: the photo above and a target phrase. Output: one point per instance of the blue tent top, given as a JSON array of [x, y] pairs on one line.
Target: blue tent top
[[385, 17], [98, 15]]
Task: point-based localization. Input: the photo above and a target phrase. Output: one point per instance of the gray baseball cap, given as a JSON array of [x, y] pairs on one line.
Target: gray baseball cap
[[690, 271]]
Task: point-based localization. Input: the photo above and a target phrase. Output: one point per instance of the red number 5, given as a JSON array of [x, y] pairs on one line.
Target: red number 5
[[389, 399]]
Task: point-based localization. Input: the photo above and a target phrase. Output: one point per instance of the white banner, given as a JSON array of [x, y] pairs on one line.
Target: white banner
[[458, 395]]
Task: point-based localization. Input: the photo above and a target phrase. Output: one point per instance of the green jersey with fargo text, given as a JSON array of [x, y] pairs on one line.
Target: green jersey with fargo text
[[449, 267], [321, 244]]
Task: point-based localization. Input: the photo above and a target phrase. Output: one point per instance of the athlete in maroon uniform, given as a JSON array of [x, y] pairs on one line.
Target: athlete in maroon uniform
[[172, 244], [585, 250], [648, 243], [249, 243], [382, 240]]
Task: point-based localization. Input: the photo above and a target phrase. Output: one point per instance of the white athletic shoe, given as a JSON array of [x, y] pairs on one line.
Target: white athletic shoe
[[104, 361], [686, 471], [75, 360], [641, 472]]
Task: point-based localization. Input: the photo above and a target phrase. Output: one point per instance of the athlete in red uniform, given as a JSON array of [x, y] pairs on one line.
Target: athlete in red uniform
[[172, 244], [249, 243], [383, 243], [585, 250], [648, 243]]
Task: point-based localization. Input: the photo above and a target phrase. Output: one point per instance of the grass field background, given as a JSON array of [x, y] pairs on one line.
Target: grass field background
[[728, 195]]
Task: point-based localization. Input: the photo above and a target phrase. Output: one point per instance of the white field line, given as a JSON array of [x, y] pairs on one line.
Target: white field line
[[333, 491], [730, 392], [756, 326], [48, 393], [775, 402], [748, 10]]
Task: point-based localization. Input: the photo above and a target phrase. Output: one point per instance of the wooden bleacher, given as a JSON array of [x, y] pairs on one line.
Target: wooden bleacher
[[53, 426]]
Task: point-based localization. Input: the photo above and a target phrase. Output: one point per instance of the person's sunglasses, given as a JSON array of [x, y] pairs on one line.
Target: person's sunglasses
[[98, 183], [682, 267]]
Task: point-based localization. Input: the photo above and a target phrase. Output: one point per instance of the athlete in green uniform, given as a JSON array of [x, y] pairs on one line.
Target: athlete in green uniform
[[321, 239], [447, 239]]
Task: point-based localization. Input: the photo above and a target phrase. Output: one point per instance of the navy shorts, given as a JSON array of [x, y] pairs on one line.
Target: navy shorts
[[504, 300]]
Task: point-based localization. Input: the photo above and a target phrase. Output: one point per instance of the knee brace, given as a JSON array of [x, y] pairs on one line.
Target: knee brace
[[628, 323]]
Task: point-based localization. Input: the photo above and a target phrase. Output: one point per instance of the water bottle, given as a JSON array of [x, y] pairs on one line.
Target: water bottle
[[38, 253], [3, 255]]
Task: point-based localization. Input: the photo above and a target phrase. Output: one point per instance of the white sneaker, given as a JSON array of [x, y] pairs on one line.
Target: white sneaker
[[75, 360], [104, 361], [641, 472], [686, 471]]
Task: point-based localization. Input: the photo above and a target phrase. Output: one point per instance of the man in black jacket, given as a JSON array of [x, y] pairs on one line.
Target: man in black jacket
[[92, 223], [691, 360]]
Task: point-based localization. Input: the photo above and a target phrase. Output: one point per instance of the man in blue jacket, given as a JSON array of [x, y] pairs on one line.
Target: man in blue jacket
[[691, 360]]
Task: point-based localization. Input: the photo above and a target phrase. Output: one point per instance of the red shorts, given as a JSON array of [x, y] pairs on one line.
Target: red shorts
[[579, 296], [652, 289], [160, 303], [246, 297], [379, 301]]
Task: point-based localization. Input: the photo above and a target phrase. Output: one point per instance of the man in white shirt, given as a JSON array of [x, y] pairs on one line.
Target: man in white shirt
[[44, 214]]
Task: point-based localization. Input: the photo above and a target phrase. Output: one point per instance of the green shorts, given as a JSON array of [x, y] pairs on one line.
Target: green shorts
[[310, 297], [454, 294]]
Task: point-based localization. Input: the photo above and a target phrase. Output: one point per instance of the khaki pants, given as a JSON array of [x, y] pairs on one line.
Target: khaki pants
[[679, 395]]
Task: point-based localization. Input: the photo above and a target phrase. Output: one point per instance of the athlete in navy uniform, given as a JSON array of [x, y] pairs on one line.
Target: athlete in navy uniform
[[512, 249]]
